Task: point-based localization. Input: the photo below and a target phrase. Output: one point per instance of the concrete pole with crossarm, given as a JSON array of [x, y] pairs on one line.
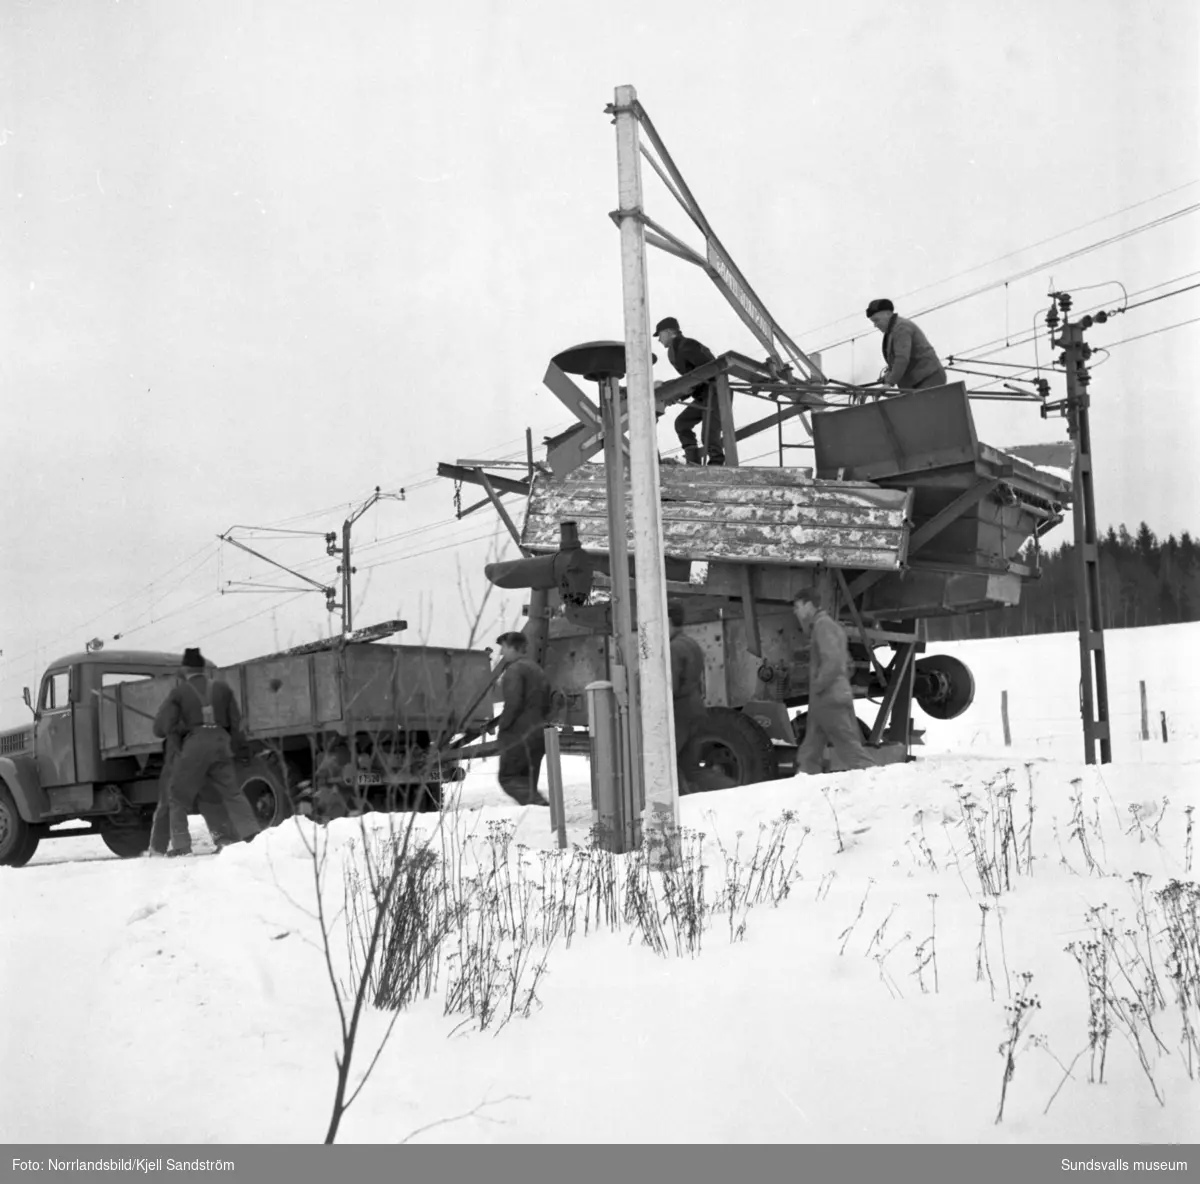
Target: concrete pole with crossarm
[[660, 820]]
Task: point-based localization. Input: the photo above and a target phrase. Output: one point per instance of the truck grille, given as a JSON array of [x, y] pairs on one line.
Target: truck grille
[[15, 742]]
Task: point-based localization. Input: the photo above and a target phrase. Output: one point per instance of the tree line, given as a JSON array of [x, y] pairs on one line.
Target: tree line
[[1143, 581]]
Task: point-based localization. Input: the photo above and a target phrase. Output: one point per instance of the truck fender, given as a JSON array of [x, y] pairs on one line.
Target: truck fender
[[772, 717], [20, 776]]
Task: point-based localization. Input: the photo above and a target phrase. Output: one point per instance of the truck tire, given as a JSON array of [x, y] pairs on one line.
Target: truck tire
[[127, 842], [732, 750], [264, 788], [18, 839]]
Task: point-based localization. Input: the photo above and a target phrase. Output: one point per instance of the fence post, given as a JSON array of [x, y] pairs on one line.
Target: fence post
[[1164, 726], [558, 816], [1145, 711], [1004, 719]]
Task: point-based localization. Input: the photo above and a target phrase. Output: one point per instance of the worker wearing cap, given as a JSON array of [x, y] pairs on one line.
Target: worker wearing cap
[[831, 719], [912, 363], [208, 802], [203, 711], [687, 697], [687, 354], [526, 691]]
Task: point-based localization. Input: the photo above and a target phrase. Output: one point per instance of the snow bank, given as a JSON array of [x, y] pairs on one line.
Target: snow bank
[[866, 998]]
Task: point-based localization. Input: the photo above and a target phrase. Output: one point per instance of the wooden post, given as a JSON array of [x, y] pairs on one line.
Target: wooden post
[[659, 784], [1164, 726], [1145, 711]]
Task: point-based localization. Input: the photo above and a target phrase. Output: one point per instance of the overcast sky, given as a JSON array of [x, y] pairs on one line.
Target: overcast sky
[[260, 257]]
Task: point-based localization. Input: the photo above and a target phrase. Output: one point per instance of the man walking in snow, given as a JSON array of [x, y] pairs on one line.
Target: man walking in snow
[[526, 691], [203, 712], [687, 696], [831, 718], [687, 354], [207, 802], [912, 363]]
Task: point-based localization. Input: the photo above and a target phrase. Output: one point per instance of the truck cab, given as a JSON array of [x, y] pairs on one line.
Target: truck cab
[[55, 770]]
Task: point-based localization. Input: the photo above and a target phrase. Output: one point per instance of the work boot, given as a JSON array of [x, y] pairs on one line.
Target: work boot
[[691, 454], [175, 852], [524, 797], [717, 461]]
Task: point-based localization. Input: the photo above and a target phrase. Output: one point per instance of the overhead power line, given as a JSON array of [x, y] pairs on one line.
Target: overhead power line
[[1042, 266], [1019, 251]]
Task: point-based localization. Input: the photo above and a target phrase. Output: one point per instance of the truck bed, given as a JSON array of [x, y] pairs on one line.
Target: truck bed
[[365, 686]]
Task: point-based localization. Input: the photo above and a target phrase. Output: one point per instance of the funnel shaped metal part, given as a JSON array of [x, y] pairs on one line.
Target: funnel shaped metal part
[[595, 360]]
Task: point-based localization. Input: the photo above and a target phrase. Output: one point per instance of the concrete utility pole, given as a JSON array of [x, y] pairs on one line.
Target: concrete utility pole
[[345, 569], [1093, 680], [660, 820]]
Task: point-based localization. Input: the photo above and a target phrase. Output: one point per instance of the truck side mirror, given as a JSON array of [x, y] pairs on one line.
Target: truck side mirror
[[28, 699]]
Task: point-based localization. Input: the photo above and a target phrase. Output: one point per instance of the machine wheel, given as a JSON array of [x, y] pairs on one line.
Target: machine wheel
[[263, 786], [127, 842], [943, 687], [18, 839], [731, 749], [800, 727]]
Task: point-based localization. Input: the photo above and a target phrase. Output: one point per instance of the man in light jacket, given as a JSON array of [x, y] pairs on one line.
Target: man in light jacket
[[912, 363], [831, 718]]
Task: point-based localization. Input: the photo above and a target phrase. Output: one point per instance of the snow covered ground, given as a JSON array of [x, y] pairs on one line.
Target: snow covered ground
[[868, 996]]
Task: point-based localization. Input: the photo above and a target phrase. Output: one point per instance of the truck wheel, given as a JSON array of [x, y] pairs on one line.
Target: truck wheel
[[943, 686], [128, 842], [18, 839], [731, 749], [263, 787]]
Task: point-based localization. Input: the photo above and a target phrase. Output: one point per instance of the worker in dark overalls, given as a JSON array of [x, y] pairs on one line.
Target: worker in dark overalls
[[687, 354], [203, 711], [207, 802], [526, 691]]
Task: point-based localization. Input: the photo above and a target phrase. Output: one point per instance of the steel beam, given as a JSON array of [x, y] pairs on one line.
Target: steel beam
[[503, 484]]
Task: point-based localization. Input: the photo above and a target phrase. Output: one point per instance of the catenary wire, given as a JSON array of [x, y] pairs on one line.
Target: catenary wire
[[1018, 251]]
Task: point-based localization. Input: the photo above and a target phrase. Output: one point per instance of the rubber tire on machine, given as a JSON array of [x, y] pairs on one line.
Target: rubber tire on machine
[[264, 788], [128, 842], [800, 727], [18, 839], [745, 751], [961, 692]]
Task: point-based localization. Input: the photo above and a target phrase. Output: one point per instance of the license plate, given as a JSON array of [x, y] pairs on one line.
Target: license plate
[[370, 779]]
